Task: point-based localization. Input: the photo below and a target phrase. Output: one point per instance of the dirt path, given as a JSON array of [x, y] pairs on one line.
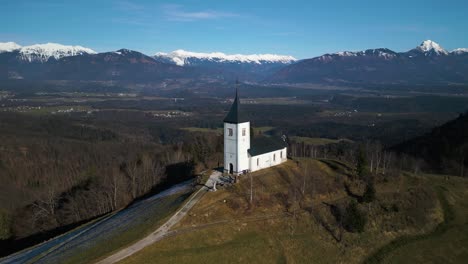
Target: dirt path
[[163, 231]]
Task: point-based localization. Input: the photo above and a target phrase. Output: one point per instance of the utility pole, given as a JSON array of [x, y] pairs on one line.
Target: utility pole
[[251, 188]]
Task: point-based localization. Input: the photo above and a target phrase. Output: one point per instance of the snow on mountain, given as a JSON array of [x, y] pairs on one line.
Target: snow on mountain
[[43, 52], [182, 57], [346, 53], [459, 51], [429, 47], [8, 46], [382, 52]]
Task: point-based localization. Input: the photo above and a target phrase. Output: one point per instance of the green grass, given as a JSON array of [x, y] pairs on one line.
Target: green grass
[[383, 252], [447, 243], [239, 249]]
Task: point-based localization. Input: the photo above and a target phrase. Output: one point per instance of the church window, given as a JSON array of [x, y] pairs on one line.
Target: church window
[[274, 157], [258, 161], [230, 132], [281, 154], [243, 132]]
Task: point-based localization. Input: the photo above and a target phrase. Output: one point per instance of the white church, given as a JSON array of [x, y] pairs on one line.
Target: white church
[[240, 154]]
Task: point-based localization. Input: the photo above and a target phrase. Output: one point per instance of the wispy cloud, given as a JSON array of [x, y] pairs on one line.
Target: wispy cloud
[[178, 13]]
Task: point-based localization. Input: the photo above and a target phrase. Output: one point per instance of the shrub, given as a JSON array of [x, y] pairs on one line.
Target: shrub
[[354, 219]]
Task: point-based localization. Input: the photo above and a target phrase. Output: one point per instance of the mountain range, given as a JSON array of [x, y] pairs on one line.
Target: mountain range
[[427, 63]]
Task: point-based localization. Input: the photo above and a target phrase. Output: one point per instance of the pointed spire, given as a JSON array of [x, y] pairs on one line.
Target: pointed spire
[[234, 115]]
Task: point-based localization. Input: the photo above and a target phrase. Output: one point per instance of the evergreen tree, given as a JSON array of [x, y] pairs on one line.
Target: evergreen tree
[[354, 219], [361, 166], [369, 193]]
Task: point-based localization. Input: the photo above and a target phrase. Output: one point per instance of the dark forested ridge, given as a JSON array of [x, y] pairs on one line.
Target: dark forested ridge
[[444, 149]]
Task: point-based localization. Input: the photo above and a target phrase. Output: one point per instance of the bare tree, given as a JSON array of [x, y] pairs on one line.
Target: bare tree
[[132, 170], [305, 174], [386, 161]]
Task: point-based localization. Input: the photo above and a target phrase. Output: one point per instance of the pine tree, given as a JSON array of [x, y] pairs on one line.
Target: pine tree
[[361, 166], [354, 219], [369, 193]]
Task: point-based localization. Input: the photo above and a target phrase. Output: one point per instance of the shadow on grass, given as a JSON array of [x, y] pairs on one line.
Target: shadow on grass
[[351, 194]]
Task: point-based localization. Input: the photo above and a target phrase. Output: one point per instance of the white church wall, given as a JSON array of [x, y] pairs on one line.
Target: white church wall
[[230, 146], [243, 145], [267, 160], [236, 144]]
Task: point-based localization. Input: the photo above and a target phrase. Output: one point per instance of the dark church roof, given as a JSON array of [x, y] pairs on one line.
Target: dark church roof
[[235, 115], [262, 145]]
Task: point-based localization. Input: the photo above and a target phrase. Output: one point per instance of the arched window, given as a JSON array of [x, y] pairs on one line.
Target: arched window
[[258, 161], [281, 154], [274, 157]]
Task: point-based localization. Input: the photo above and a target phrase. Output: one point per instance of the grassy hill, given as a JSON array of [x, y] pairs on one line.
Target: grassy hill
[[297, 215]]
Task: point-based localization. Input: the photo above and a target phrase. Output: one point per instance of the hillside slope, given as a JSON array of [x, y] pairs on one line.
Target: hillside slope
[[289, 222], [444, 149]]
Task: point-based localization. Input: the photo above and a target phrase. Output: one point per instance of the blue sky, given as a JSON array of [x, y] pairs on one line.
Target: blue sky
[[300, 28]]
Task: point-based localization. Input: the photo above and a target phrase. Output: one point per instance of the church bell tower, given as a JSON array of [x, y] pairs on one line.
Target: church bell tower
[[236, 140]]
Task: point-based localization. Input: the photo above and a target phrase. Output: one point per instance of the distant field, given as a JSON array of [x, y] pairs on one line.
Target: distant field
[[269, 232], [275, 101], [219, 130], [262, 130], [316, 141], [45, 110]]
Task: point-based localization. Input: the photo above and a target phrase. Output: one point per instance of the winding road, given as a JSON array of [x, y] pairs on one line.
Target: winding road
[[61, 248]]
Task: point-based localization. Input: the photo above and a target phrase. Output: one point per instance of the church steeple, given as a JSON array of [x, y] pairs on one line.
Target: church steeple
[[235, 115]]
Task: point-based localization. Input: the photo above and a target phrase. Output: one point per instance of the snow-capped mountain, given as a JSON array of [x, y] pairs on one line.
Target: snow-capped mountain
[[182, 57], [218, 65], [427, 63], [43, 52], [427, 48], [459, 51], [9, 47], [381, 52]]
